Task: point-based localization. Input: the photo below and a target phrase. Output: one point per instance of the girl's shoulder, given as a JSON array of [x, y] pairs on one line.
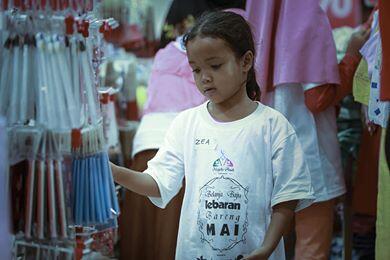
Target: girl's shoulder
[[264, 116], [272, 116], [276, 122]]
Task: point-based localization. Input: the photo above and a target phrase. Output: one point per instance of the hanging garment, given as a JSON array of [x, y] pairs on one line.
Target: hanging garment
[[369, 51], [361, 83], [294, 43], [378, 111], [382, 250], [387, 142], [384, 27]]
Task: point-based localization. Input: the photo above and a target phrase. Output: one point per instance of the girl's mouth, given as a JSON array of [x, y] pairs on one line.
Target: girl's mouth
[[209, 90]]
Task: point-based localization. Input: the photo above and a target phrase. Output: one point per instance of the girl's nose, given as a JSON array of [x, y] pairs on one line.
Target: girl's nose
[[206, 78]]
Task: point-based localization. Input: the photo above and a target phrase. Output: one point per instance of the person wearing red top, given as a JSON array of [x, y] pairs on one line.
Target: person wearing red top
[[309, 244], [320, 98]]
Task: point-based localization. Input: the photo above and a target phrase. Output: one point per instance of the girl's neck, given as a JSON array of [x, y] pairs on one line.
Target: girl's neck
[[232, 109]]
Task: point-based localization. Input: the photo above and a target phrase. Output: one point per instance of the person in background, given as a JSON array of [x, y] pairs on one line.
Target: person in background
[[299, 76]]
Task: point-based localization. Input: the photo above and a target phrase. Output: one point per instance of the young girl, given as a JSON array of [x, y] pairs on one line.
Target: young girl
[[242, 162]]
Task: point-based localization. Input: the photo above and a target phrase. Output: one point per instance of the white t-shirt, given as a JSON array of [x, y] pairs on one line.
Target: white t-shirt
[[318, 136], [234, 173]]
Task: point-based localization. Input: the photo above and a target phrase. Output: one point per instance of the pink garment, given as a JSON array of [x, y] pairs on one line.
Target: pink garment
[[294, 43], [171, 86]]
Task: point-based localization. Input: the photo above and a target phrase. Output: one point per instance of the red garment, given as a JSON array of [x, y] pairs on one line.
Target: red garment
[[365, 188], [319, 98], [384, 25]]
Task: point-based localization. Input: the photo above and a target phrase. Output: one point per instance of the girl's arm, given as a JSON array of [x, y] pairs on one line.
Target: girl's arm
[[137, 182], [281, 218]]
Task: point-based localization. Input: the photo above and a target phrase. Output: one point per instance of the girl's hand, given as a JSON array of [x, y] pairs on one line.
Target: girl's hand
[[114, 169], [143, 184], [259, 254], [282, 215], [113, 166]]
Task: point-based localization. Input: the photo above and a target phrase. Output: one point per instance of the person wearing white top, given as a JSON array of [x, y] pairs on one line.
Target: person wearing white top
[[235, 173], [242, 162]]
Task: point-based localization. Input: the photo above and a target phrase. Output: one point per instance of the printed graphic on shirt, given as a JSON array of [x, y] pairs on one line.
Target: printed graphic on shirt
[[223, 165], [223, 210]]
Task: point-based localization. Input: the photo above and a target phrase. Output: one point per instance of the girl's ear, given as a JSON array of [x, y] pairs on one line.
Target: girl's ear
[[247, 61]]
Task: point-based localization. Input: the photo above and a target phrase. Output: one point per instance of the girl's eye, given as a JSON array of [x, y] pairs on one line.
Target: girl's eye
[[217, 66], [195, 70]]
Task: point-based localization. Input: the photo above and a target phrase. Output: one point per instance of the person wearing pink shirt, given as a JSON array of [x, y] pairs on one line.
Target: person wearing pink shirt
[[297, 70]]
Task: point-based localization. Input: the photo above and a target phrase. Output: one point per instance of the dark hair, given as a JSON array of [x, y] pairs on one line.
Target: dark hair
[[236, 32]]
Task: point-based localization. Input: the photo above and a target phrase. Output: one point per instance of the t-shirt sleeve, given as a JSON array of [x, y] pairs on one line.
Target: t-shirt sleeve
[[167, 167], [291, 175]]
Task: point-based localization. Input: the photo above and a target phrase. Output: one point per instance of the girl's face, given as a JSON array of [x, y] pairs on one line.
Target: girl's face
[[218, 73]]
